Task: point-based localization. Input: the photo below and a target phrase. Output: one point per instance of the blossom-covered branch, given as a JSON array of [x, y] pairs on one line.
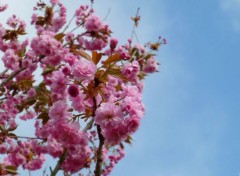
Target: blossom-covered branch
[[88, 102]]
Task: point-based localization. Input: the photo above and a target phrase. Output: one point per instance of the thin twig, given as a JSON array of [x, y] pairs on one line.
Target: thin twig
[[136, 36], [108, 12], [12, 76], [4, 71], [89, 125], [135, 25], [24, 137], [69, 23]]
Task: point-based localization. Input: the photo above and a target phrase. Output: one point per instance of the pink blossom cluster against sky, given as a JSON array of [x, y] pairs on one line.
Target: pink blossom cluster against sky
[[192, 121]]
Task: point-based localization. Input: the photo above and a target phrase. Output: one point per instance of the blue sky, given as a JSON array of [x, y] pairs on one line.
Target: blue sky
[[191, 127]]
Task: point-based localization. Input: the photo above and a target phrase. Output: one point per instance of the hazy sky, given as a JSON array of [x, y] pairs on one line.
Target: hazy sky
[[191, 127]]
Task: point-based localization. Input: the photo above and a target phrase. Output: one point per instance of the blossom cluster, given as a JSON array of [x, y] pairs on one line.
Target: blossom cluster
[[89, 101]]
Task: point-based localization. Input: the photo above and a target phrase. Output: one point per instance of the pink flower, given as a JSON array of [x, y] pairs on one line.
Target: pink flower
[[131, 70], [95, 44], [59, 110], [108, 114], [70, 58], [113, 43], [58, 23], [151, 65], [54, 148], [58, 82], [28, 116], [133, 107], [78, 102], [47, 45], [66, 70], [140, 48], [11, 60], [3, 7], [133, 124], [131, 91], [35, 163], [93, 23], [69, 37], [54, 2], [84, 70], [3, 148], [116, 135]]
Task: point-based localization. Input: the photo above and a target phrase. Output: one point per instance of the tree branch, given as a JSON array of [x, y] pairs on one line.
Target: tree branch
[[59, 163], [98, 168], [12, 76]]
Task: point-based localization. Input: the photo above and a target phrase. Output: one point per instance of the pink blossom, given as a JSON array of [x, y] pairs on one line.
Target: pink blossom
[[151, 65], [66, 70], [54, 148], [58, 82], [113, 43], [133, 107], [131, 70], [54, 2], [59, 110], [28, 116], [84, 70], [11, 60], [16, 23], [95, 44], [3, 7], [93, 23], [81, 13], [116, 135], [140, 48], [3, 148], [70, 58], [34, 18], [69, 37], [78, 102], [132, 124], [108, 114], [131, 91], [58, 23], [46, 45]]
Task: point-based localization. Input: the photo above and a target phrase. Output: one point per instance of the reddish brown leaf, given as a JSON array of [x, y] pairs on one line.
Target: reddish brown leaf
[[112, 58], [96, 57]]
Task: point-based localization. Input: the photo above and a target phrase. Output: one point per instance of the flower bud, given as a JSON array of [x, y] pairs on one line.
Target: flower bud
[[113, 43], [73, 90]]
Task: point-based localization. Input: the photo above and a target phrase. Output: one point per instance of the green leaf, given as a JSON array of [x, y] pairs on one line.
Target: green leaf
[[27, 83], [11, 169]]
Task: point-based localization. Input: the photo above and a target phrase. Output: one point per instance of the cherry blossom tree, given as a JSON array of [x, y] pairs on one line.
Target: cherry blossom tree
[[89, 100]]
